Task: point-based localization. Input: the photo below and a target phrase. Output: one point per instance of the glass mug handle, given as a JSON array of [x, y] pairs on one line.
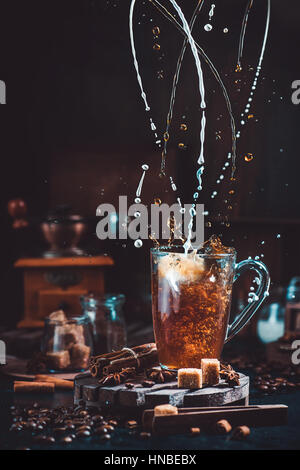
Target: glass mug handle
[[257, 298]]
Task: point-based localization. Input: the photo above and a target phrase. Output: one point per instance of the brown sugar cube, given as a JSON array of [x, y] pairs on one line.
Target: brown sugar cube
[[58, 360], [165, 410], [59, 315], [80, 354], [210, 371], [190, 378], [71, 334]]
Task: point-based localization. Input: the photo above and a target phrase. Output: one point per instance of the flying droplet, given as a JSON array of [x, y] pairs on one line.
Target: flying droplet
[[138, 243], [278, 235], [248, 157], [166, 136], [208, 27], [183, 127], [231, 191], [181, 146], [156, 47], [160, 74], [208, 224], [250, 116], [225, 30], [157, 201], [137, 200], [156, 31], [238, 68]]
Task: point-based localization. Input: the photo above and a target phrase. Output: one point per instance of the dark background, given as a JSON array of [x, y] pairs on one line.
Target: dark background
[[74, 130]]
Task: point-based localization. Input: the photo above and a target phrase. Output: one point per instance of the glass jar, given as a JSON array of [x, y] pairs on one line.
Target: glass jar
[[292, 307], [106, 314], [270, 325], [67, 343]]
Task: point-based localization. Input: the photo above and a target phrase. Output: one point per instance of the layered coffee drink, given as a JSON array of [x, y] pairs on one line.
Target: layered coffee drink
[[191, 297]]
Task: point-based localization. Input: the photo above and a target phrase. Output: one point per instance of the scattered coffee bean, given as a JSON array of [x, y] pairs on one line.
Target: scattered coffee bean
[[131, 423], [66, 440], [195, 431], [101, 430], [50, 440], [129, 385], [105, 437], [82, 434], [113, 422], [145, 435], [223, 426], [240, 433], [148, 383], [61, 430]]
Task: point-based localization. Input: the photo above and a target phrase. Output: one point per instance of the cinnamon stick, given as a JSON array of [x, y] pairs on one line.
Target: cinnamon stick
[[33, 387], [60, 384], [139, 357]]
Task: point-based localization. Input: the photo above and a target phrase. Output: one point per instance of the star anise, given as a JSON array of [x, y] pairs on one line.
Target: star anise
[[160, 376], [118, 378], [229, 375]]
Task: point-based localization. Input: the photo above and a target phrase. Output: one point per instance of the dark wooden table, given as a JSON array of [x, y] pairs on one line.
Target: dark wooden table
[[284, 437]]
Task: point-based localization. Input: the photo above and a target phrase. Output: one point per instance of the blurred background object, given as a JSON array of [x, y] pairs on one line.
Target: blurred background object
[[106, 314]]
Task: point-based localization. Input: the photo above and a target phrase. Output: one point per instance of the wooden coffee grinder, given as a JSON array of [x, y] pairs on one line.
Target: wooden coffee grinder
[[56, 279]]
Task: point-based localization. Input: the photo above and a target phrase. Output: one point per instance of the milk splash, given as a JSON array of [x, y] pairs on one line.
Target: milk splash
[[186, 30]]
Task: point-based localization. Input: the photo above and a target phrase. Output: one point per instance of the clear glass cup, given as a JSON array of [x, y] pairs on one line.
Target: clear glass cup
[[106, 314], [191, 300], [67, 343]]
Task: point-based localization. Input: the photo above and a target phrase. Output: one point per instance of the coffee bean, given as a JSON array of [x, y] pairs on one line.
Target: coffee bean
[[131, 423], [66, 440], [263, 388], [148, 383], [145, 435], [16, 428], [39, 438], [195, 431], [84, 428], [129, 385], [97, 418], [105, 437], [59, 430], [83, 434], [113, 422], [50, 440], [290, 385], [109, 427], [100, 430]]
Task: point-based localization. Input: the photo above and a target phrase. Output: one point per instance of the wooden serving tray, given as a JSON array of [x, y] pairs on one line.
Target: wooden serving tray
[[87, 389]]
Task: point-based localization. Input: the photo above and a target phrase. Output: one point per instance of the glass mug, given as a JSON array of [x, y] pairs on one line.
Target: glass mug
[[191, 299]]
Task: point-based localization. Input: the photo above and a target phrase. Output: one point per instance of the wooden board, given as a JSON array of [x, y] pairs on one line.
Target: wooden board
[[88, 390], [16, 368]]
